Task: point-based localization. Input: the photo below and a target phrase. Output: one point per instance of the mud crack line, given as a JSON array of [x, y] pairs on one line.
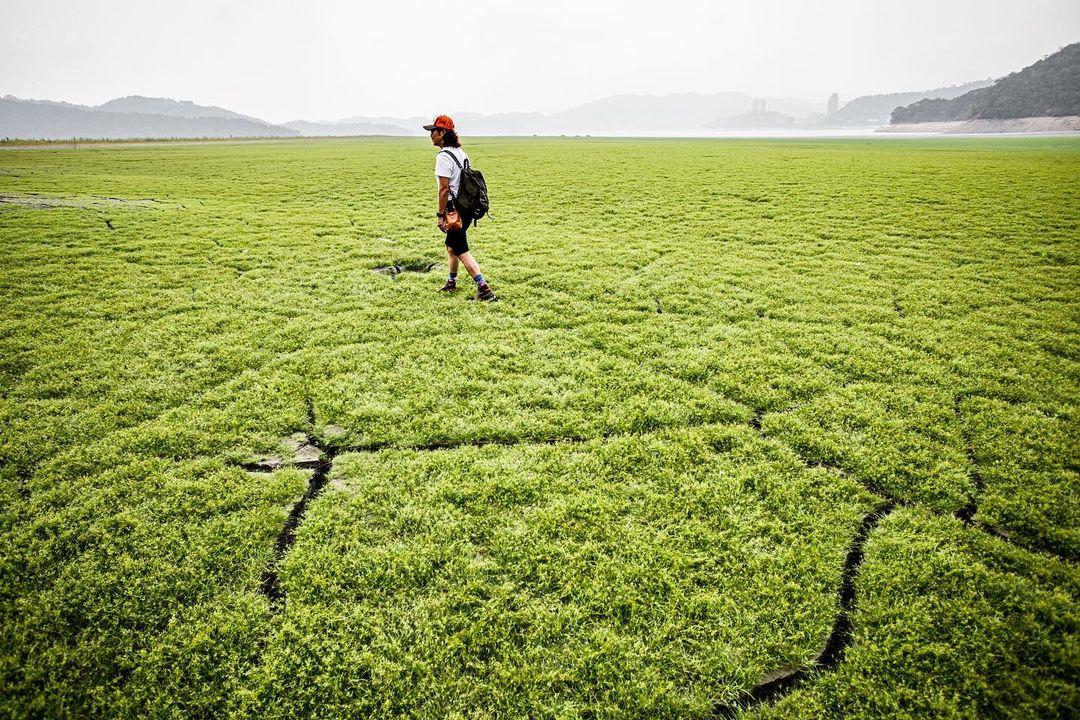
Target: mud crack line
[[967, 513], [270, 586], [779, 683]]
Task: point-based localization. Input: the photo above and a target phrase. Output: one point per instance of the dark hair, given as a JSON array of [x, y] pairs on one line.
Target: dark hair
[[450, 139]]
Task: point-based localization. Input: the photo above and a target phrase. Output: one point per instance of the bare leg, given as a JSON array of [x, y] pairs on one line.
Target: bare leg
[[452, 260], [470, 264]]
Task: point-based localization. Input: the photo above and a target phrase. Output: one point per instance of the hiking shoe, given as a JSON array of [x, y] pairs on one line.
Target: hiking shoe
[[484, 294], [450, 286]]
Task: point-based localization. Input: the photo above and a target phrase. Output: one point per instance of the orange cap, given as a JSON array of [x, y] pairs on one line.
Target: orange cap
[[443, 122]]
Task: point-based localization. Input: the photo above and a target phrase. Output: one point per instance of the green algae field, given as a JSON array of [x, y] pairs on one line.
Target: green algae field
[[758, 428]]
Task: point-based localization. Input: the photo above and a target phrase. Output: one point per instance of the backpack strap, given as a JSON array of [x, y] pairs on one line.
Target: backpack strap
[[457, 162], [454, 158]]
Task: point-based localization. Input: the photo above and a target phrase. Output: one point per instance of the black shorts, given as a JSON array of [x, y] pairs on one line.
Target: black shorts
[[456, 240]]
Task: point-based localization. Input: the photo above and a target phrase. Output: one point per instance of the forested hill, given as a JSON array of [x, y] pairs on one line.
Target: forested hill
[[874, 110], [1049, 88]]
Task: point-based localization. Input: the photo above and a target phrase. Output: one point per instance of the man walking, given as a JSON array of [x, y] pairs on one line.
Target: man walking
[[448, 166]]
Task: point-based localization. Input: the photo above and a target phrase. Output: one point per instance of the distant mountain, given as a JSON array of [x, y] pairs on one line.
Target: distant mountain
[[648, 112], [796, 107], [469, 122], [167, 106], [869, 110], [46, 120], [497, 124], [756, 120], [685, 111], [619, 113], [137, 116], [343, 128], [962, 108], [627, 113], [1048, 88]]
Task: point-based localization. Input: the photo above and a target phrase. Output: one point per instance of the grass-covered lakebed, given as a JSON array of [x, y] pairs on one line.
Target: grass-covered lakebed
[[781, 428]]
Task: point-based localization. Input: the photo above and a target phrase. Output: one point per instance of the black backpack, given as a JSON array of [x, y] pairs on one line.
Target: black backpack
[[472, 198]]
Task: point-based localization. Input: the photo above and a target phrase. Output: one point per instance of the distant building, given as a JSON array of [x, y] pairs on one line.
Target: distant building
[[834, 103], [759, 106]]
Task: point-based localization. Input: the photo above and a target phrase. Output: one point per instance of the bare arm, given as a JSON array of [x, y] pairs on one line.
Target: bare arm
[[444, 193]]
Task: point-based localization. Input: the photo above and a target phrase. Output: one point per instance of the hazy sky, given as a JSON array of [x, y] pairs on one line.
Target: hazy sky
[[328, 59]]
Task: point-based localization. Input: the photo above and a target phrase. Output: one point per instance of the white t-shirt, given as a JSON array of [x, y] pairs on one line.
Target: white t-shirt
[[447, 168]]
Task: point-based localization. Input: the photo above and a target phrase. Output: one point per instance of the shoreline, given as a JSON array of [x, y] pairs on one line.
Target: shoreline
[[1067, 125]]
